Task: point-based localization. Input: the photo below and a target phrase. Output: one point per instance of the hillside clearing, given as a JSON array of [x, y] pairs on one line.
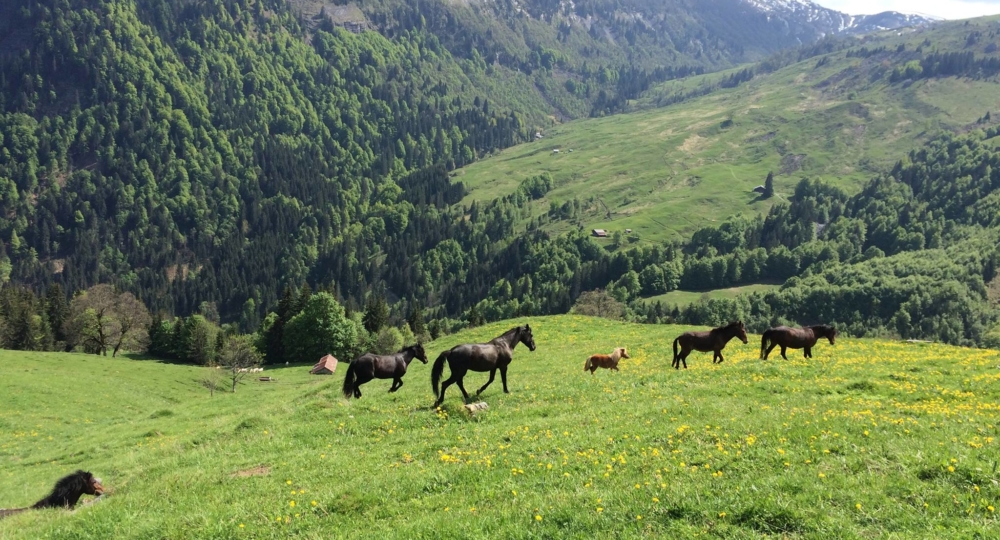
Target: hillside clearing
[[667, 171]]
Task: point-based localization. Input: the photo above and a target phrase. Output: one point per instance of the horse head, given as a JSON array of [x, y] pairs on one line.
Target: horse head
[[623, 352], [94, 486], [830, 332], [741, 331], [524, 336], [418, 352]]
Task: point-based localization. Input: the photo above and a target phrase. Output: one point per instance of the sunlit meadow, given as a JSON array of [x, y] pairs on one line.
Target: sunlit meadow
[[868, 439]]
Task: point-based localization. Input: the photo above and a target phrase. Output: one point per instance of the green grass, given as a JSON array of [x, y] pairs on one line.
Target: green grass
[[744, 449], [666, 172], [683, 298]]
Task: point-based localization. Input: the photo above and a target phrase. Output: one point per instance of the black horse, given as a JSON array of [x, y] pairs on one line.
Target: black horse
[[795, 338], [370, 366], [65, 494], [712, 340], [491, 356]]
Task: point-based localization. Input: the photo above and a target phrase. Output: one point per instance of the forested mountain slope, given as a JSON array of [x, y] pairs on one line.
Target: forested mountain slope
[[217, 152], [585, 55], [204, 151]]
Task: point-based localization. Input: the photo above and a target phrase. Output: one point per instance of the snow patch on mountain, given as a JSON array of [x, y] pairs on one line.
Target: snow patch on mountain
[[828, 21]]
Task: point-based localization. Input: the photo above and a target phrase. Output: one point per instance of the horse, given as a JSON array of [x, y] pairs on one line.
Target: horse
[[65, 494], [795, 338], [711, 340], [497, 354], [606, 361], [370, 366]]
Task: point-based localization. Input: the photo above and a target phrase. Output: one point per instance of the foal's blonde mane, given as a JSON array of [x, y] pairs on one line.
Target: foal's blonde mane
[[617, 354]]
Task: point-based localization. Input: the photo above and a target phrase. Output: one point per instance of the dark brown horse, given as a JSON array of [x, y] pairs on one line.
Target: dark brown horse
[[65, 494], [491, 356], [370, 366], [795, 338], [711, 340]]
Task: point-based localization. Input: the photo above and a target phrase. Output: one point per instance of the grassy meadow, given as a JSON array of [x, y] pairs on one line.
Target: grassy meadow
[[665, 172], [868, 439], [682, 299]]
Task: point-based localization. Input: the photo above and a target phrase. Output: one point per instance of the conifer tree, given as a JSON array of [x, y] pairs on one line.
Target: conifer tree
[[376, 312]]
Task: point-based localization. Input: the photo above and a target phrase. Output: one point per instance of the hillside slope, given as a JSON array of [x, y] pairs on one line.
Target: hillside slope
[[892, 438], [841, 117]]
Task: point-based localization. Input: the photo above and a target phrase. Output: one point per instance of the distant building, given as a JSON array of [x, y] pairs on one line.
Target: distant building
[[759, 189], [555, 150], [600, 233], [628, 231]]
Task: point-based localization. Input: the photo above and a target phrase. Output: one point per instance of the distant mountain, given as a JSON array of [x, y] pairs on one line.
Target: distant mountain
[[811, 20]]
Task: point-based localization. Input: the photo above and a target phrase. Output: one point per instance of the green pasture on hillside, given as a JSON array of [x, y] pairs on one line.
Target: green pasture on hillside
[[681, 298], [868, 439], [665, 172]]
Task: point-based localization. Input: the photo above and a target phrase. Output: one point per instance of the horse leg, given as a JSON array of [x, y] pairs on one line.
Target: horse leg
[[809, 353], [769, 349], [783, 352], [719, 354], [503, 378], [451, 380], [462, 388], [397, 383], [683, 358], [493, 375]]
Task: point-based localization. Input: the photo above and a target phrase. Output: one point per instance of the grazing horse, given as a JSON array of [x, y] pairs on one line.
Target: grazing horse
[[711, 340], [370, 366], [65, 494], [606, 361], [491, 356], [795, 338]]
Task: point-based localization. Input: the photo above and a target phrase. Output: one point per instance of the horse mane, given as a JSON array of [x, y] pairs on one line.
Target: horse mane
[[507, 333], [826, 328], [67, 491], [730, 326]]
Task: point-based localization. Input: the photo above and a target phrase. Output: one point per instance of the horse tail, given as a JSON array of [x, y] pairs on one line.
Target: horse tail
[[586, 365], [437, 370], [676, 340], [763, 343], [349, 380]]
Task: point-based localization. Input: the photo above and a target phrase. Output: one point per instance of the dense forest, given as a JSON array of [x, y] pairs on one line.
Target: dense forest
[[216, 162], [172, 151]]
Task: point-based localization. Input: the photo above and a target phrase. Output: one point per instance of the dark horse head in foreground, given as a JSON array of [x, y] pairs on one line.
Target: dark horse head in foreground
[[711, 340], [370, 366], [66, 493], [491, 356], [795, 338]]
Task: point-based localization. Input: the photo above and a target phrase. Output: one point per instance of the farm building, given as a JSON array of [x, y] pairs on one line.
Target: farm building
[[600, 233], [326, 366], [759, 189]]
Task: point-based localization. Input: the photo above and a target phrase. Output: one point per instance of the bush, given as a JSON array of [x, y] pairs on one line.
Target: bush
[[321, 328], [388, 341]]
